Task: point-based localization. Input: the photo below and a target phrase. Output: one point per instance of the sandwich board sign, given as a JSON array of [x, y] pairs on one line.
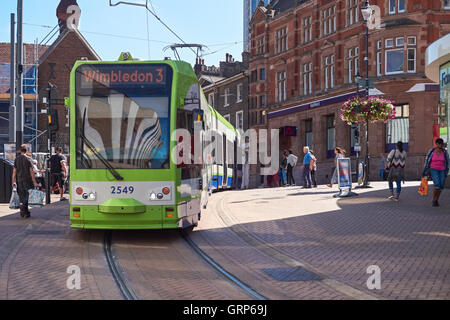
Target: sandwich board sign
[[343, 167]]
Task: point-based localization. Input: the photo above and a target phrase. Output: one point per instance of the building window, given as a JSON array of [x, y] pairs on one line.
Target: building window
[[262, 101], [447, 4], [260, 45], [329, 72], [379, 63], [398, 128], [412, 40], [281, 86], [352, 12], [394, 61], [331, 144], [399, 42], [307, 78], [329, 20], [281, 40], [389, 43], [261, 117], [262, 74], [240, 120], [396, 6], [307, 29], [227, 117], [412, 60], [308, 133], [211, 99], [226, 95], [353, 63], [240, 91], [254, 76]]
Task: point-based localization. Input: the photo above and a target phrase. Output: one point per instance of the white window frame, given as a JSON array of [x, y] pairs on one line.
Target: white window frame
[[386, 61], [226, 94], [379, 45], [350, 71], [404, 6], [447, 5], [227, 117], [386, 43], [413, 37], [310, 78], [415, 60], [379, 63], [239, 91], [395, 6], [237, 120], [211, 99], [281, 86], [397, 42]]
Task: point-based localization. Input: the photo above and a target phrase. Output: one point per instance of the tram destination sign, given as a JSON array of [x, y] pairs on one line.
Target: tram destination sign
[[119, 75]]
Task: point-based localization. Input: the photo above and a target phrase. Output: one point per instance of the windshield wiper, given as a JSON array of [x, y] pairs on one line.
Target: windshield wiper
[[97, 154], [101, 158]]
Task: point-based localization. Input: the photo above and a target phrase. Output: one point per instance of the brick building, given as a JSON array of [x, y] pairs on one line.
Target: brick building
[[44, 64], [226, 89], [305, 56]]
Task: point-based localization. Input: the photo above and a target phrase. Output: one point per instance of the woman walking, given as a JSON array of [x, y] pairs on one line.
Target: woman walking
[[396, 165], [437, 165], [339, 154]]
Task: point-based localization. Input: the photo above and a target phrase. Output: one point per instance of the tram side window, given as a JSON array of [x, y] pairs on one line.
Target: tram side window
[[185, 120]]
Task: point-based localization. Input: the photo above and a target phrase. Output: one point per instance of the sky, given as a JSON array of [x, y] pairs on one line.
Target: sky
[[217, 24]]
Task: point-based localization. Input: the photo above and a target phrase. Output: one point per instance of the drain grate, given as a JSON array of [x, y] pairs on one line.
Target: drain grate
[[292, 274]]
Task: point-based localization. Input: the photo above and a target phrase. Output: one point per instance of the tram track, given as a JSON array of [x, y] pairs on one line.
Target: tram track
[[125, 288], [283, 256], [217, 267]]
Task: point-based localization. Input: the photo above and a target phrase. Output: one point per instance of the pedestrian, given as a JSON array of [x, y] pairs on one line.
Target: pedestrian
[[396, 162], [437, 166], [307, 183], [382, 168], [339, 154], [291, 163], [58, 171], [23, 179], [313, 167], [38, 174], [282, 171]]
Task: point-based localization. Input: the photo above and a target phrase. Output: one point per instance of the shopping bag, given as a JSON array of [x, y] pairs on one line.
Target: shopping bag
[[14, 203], [423, 188], [35, 198]]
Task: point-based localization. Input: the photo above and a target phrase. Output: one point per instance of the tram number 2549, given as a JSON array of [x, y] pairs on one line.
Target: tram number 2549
[[122, 189]]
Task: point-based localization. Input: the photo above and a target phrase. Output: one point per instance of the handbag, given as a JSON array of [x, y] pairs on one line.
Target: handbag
[[14, 203], [423, 188], [36, 198]]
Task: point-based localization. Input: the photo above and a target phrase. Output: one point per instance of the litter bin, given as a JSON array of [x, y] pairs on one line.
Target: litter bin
[[6, 170]]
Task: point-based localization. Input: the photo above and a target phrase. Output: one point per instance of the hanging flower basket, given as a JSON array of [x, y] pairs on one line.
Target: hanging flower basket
[[357, 110]]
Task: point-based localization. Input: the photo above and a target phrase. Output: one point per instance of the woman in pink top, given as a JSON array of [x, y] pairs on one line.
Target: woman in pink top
[[437, 165]]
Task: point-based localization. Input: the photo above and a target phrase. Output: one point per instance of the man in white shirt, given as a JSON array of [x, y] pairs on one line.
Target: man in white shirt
[[292, 162]]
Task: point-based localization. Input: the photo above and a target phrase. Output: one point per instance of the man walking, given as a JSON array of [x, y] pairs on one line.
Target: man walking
[[58, 171], [291, 163], [306, 168], [23, 179]]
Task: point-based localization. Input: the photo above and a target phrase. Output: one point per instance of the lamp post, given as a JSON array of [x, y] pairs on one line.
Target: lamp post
[[366, 12]]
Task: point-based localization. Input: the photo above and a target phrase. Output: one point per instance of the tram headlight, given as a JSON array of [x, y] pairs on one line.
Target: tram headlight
[[152, 196], [92, 196]]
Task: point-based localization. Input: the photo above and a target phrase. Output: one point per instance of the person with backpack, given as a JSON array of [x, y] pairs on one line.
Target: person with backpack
[[396, 165], [23, 179], [58, 171], [437, 166]]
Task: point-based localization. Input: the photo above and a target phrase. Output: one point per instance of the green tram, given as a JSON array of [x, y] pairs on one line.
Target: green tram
[[125, 171]]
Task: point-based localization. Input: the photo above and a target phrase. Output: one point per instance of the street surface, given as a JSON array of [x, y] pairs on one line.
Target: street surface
[[284, 243]]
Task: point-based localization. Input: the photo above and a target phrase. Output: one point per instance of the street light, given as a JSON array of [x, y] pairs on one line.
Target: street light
[[366, 12]]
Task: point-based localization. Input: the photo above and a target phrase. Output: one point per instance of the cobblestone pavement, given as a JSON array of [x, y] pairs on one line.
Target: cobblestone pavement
[[340, 238], [35, 254]]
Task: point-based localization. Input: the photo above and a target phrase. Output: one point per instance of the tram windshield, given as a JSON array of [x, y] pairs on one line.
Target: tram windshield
[[122, 116]]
